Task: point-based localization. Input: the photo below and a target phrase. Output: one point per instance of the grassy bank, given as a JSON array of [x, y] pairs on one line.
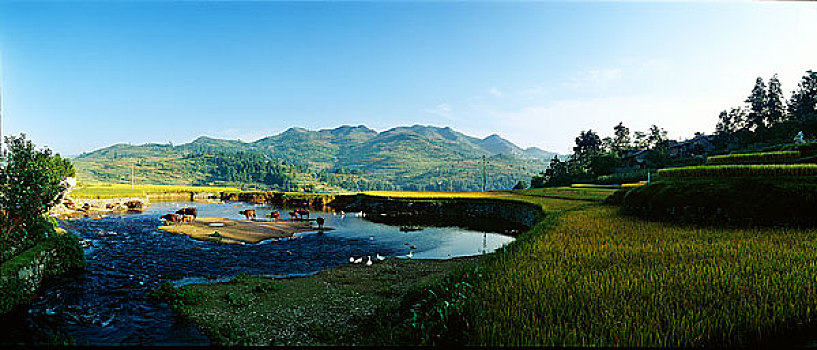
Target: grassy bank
[[104, 191], [348, 305]]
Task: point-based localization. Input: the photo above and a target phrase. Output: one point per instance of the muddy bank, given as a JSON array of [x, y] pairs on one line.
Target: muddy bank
[[230, 231]]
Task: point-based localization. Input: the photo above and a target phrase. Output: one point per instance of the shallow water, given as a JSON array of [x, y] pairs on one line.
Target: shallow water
[[109, 304]]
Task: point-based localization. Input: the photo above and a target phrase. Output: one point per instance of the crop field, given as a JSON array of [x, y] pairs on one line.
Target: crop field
[[102, 191], [741, 170], [592, 277], [755, 158]]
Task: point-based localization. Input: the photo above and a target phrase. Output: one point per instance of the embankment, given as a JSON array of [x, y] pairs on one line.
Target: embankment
[[512, 215], [22, 276], [283, 199]]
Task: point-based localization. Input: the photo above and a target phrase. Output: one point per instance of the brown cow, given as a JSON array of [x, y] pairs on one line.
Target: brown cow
[[275, 215], [86, 207], [188, 211], [171, 218], [134, 205], [188, 218], [293, 214], [248, 213], [302, 212]]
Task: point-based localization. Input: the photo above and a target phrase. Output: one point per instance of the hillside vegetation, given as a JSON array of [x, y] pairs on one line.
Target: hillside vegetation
[[345, 158]]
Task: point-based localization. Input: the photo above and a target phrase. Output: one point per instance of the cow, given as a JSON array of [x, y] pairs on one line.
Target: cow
[[188, 218], [248, 213], [275, 215], [293, 214], [134, 205], [171, 218], [320, 223], [302, 212], [86, 207], [188, 211]]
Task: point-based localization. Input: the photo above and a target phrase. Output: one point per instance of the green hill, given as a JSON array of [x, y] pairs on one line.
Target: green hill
[[348, 157]]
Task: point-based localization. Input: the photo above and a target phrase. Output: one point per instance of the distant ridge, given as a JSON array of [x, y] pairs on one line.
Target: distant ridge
[[404, 157]]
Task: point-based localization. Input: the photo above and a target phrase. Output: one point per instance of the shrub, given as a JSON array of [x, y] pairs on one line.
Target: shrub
[[176, 297]]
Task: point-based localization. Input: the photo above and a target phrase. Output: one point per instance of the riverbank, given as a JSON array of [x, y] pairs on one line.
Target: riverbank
[[23, 276], [586, 275], [228, 231], [352, 304]]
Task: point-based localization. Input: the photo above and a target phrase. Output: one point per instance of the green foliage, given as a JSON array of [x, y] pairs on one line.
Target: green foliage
[[741, 170], [176, 297], [755, 158], [438, 317], [30, 182], [521, 185]]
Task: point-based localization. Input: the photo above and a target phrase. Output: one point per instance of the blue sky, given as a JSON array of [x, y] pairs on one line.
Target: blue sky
[[78, 76]]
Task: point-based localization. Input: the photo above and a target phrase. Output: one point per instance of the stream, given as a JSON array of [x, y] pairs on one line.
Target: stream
[[109, 303]]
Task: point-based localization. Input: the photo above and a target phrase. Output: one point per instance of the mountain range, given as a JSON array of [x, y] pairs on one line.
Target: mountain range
[[347, 157]]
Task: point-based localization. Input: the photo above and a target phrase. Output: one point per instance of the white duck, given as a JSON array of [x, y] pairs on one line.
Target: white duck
[[369, 263], [351, 260], [359, 260], [410, 254], [380, 257]]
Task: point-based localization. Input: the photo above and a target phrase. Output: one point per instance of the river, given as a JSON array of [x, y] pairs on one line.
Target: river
[[109, 303]]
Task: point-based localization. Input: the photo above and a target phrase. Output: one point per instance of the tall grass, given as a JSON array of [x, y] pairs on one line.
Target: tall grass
[[101, 191], [594, 278], [755, 158], [741, 170]]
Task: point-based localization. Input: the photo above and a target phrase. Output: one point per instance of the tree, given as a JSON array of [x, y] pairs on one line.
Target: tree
[[803, 102], [621, 140], [640, 140], [775, 109], [520, 185], [757, 102], [656, 136], [587, 143], [30, 184], [557, 174]]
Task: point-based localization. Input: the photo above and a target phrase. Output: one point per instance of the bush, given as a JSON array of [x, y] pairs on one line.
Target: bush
[[755, 158], [741, 170], [176, 297]]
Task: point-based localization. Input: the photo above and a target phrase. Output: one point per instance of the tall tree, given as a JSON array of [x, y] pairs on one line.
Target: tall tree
[[803, 102], [757, 102], [621, 139], [775, 109], [656, 136], [587, 143]]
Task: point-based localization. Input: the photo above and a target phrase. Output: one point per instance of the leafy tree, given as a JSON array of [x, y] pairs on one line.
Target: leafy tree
[[757, 102], [803, 102], [640, 139], [621, 140], [775, 109], [557, 174], [30, 183], [521, 185], [603, 163], [656, 136]]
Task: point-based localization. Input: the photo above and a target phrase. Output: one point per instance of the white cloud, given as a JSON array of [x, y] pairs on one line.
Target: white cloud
[[443, 110], [495, 92]]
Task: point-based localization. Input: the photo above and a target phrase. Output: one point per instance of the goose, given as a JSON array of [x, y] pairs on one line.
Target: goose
[[410, 254], [413, 247], [359, 260], [380, 257], [369, 263], [351, 260]]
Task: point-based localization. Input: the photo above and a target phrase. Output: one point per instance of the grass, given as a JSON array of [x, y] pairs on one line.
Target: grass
[[592, 277], [101, 191], [741, 170], [755, 158]]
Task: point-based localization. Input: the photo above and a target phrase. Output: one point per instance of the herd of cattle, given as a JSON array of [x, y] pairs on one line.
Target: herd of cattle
[[190, 215]]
